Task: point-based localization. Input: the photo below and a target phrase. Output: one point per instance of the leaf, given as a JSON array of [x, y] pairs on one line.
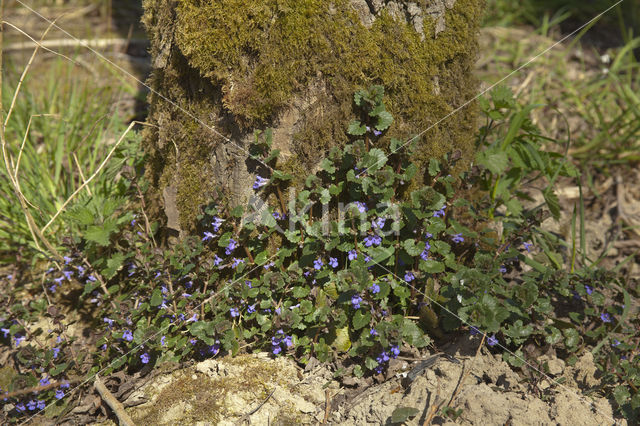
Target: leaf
[[356, 128], [361, 319], [402, 414], [327, 166], [156, 297], [261, 258], [374, 160], [494, 160], [434, 167], [100, 234], [384, 120], [114, 264], [553, 203], [342, 342]]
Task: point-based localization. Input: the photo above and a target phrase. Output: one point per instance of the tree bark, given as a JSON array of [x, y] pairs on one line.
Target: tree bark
[[223, 69]]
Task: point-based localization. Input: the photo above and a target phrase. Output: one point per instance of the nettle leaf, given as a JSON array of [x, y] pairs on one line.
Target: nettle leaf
[[495, 160], [356, 128], [100, 234], [361, 319]]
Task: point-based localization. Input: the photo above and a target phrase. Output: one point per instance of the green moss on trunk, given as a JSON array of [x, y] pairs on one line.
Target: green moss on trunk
[[240, 64]]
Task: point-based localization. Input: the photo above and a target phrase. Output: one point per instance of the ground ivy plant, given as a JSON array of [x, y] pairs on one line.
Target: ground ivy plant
[[372, 255]]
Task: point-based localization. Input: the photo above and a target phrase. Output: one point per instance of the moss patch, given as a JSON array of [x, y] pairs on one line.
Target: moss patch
[[240, 64]]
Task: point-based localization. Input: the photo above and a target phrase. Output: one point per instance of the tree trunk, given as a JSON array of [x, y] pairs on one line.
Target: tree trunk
[[223, 69]]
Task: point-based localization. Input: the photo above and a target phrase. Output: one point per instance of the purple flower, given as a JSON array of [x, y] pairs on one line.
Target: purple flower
[[457, 238], [362, 207], [59, 394], [216, 260], [276, 349], [65, 385], [251, 308], [353, 255], [588, 289], [269, 265], [278, 311], [127, 335], [109, 321], [236, 262], [333, 262], [383, 357], [194, 318], [378, 223], [80, 269], [208, 236], [59, 280], [527, 246], [44, 381], [317, 264], [20, 407], [67, 274], [395, 351], [372, 240], [355, 301], [5, 331], [375, 288], [492, 341], [18, 339], [234, 312], [615, 343], [162, 340], [605, 317], [56, 352], [144, 358], [474, 331], [260, 182], [439, 213], [408, 277], [503, 269], [216, 223], [67, 260], [31, 405], [231, 246], [377, 132], [287, 340], [41, 405], [373, 332]]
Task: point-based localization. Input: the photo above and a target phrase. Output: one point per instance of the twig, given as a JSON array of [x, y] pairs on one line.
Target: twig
[[63, 42], [112, 402], [250, 413], [75, 159], [327, 405]]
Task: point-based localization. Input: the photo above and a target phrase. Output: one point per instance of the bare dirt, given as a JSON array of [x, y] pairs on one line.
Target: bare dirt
[[480, 388]]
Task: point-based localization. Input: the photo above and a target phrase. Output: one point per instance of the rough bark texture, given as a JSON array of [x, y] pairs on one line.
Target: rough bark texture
[[293, 65]]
